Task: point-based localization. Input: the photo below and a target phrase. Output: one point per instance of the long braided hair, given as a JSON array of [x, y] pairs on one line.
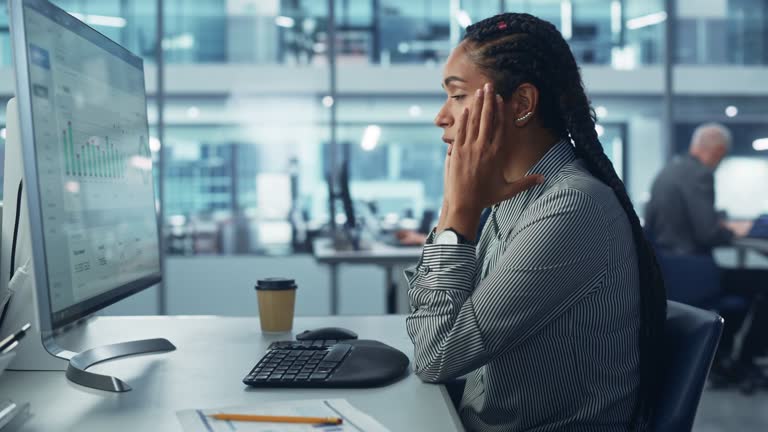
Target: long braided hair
[[512, 49]]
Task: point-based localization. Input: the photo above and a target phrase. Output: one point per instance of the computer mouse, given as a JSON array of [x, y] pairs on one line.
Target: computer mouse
[[336, 333]]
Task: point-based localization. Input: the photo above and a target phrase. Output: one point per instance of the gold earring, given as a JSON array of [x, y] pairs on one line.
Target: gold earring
[[525, 117]]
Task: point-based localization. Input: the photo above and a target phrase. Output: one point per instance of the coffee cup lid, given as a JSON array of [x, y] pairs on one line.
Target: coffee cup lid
[[275, 283]]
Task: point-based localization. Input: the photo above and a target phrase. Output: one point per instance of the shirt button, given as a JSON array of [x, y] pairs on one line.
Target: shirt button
[[425, 269]]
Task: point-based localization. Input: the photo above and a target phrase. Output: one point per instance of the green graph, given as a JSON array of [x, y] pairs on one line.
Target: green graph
[[96, 157], [145, 153]]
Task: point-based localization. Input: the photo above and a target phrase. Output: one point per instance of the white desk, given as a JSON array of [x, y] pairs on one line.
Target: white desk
[[743, 245], [380, 254], [213, 354]]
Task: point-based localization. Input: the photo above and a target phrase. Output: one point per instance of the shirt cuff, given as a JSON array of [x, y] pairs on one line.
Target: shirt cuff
[[438, 257], [431, 237]]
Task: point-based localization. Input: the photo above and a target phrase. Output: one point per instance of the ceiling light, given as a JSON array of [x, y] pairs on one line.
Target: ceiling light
[[601, 112], [566, 19], [284, 21], [760, 144], [193, 112], [731, 111], [600, 130], [646, 20], [462, 17], [414, 110], [327, 101], [3, 133], [100, 20], [370, 137], [616, 17], [183, 41], [154, 144]]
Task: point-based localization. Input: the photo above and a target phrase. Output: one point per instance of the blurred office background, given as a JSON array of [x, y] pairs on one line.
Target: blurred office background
[[253, 111]]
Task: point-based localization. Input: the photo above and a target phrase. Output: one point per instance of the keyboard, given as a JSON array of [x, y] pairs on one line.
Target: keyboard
[[352, 363], [298, 362]]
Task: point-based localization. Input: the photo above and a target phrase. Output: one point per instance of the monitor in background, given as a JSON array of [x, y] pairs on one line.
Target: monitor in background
[[348, 237], [346, 195], [87, 177]]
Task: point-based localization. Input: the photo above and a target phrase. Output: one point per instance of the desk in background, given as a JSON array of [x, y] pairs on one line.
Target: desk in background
[[743, 245], [213, 355], [380, 254]]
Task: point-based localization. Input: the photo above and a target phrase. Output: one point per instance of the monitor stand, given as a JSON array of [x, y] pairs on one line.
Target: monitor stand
[[40, 350]]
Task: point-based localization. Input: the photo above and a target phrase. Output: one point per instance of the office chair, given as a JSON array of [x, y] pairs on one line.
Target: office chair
[[695, 280], [690, 341]]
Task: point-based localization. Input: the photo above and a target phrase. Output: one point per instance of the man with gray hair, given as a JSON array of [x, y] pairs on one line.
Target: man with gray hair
[[681, 219], [681, 213]]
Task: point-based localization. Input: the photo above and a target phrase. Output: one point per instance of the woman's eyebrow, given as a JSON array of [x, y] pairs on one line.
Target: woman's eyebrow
[[450, 79]]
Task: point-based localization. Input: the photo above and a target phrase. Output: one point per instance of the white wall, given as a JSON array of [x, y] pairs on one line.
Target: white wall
[[646, 157]]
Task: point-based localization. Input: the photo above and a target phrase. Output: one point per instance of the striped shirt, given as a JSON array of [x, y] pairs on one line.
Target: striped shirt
[[543, 314]]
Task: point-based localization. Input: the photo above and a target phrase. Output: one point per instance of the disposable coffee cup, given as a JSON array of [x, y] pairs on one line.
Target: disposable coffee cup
[[277, 298]]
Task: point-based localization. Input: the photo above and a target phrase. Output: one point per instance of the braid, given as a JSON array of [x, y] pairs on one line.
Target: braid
[[516, 48]]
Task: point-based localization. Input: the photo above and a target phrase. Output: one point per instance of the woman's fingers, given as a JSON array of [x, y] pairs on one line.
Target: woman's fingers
[[486, 117], [498, 120], [475, 116], [461, 134]]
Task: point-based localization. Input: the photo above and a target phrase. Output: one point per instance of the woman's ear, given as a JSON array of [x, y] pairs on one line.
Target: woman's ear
[[524, 102]]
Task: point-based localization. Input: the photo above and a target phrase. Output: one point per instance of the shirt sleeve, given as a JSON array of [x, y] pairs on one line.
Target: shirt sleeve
[[700, 199], [458, 325]]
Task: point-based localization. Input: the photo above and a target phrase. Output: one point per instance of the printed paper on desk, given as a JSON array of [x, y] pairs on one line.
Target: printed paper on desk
[[354, 420]]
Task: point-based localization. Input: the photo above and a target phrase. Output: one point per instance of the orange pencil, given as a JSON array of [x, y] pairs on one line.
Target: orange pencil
[[277, 419]]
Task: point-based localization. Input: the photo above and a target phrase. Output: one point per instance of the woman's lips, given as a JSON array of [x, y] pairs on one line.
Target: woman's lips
[[448, 141]]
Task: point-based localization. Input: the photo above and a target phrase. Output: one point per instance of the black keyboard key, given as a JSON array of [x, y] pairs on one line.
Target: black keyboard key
[[318, 376], [329, 364], [337, 353], [325, 370]]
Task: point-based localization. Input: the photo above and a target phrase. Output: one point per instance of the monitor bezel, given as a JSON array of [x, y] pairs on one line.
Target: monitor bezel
[[48, 320]]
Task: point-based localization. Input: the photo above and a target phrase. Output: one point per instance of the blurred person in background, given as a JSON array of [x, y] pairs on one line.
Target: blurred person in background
[[682, 220]]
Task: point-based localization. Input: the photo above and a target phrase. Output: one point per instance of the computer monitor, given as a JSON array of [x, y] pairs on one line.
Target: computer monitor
[[346, 195], [338, 189], [87, 175]]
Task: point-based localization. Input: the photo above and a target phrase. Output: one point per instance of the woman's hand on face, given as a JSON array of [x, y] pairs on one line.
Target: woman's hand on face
[[475, 168]]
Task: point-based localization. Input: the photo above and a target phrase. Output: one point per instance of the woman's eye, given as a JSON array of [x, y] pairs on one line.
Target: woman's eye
[[458, 97]]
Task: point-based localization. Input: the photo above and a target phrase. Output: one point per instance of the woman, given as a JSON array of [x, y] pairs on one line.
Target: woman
[[557, 312]]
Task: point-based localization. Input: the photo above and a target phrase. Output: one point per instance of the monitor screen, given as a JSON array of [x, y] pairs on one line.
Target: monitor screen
[[93, 164]]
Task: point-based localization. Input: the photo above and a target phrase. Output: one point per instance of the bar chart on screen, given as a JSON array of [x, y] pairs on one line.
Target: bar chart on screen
[[93, 156]]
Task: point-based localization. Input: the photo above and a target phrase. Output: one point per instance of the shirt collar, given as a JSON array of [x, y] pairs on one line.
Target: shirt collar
[[505, 214]]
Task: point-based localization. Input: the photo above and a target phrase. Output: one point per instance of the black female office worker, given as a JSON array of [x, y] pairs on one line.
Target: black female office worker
[[557, 312]]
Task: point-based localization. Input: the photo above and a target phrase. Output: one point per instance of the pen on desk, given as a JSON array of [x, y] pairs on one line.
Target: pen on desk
[[277, 419], [11, 341]]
